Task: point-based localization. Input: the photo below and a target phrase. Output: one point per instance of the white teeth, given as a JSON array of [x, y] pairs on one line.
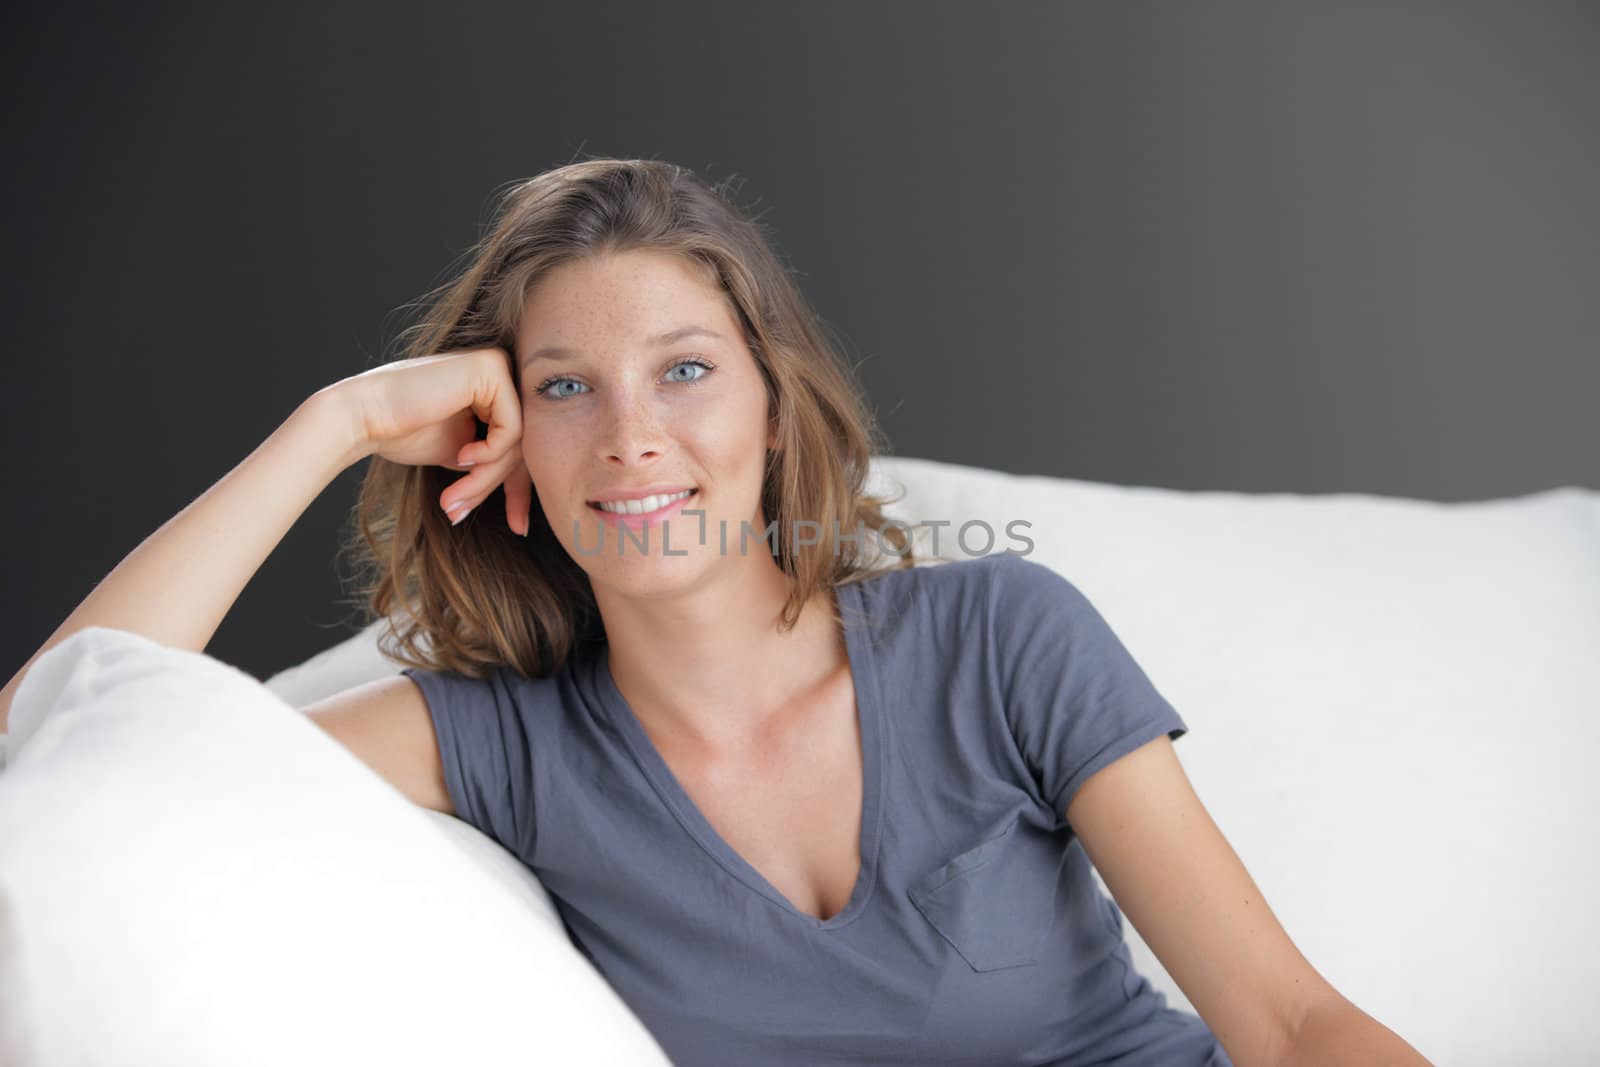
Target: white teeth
[[646, 504]]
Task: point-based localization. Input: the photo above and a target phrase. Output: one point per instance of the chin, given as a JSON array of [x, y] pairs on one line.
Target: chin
[[650, 576]]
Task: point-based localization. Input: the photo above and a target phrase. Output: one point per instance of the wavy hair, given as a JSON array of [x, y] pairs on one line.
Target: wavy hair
[[476, 596]]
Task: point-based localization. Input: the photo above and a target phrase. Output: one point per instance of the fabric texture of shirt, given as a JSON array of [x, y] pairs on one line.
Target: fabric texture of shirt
[[987, 689]]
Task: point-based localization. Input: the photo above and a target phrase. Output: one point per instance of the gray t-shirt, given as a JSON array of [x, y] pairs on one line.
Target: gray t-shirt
[[987, 689]]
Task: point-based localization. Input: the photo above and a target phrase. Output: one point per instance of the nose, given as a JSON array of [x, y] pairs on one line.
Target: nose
[[633, 434]]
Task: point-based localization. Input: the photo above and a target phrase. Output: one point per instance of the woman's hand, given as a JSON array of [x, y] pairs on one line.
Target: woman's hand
[[425, 412]]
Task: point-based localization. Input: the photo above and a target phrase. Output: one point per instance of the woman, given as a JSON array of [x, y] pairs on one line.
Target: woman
[[795, 805]]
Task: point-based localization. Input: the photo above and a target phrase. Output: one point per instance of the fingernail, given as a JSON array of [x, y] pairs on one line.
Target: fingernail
[[458, 511]]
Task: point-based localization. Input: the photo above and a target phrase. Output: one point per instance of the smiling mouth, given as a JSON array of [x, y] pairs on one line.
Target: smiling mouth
[[662, 502]]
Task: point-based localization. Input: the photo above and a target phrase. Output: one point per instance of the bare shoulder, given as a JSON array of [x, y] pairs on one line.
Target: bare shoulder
[[386, 724]]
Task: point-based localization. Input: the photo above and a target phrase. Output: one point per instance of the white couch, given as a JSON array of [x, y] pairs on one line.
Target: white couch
[[1392, 707]]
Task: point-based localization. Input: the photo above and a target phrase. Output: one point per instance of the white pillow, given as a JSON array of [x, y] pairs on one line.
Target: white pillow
[[192, 872]]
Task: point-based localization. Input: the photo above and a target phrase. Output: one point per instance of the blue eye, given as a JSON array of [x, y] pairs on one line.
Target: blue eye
[[556, 383], [706, 367], [551, 388]]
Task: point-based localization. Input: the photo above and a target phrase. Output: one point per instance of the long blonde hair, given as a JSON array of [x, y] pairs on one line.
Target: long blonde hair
[[476, 596]]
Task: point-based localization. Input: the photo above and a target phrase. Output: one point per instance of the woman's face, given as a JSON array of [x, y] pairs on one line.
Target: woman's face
[[622, 409]]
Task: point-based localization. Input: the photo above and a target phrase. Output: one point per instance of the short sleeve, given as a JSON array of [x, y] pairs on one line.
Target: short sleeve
[[483, 745], [1075, 698]]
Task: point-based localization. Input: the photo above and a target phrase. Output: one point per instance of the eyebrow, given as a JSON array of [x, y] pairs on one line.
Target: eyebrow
[[559, 352]]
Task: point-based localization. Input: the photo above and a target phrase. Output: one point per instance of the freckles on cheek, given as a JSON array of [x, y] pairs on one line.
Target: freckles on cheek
[[538, 435]]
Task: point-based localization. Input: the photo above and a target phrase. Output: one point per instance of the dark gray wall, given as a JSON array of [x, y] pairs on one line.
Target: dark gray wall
[[1263, 247]]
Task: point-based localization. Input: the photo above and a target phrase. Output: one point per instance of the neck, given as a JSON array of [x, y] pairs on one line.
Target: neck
[[709, 669]]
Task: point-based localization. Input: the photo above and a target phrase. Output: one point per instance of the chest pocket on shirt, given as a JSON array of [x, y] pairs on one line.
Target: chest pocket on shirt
[[995, 902]]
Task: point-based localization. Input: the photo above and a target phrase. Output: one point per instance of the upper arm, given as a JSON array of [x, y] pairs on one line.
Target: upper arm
[[386, 724], [1181, 884], [1074, 697]]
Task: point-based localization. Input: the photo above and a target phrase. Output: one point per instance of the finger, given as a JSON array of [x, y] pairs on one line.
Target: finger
[[519, 499], [469, 491], [495, 402], [477, 485]]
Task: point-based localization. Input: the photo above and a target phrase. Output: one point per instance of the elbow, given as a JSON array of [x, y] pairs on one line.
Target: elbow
[[1334, 1031]]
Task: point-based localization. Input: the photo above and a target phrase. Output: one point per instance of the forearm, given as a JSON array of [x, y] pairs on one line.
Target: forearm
[[1336, 1033], [177, 586]]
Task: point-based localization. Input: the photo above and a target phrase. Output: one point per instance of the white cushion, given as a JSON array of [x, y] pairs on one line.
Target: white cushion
[[192, 872]]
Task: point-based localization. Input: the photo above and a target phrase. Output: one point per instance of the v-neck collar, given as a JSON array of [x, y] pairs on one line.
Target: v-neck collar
[[864, 677]]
